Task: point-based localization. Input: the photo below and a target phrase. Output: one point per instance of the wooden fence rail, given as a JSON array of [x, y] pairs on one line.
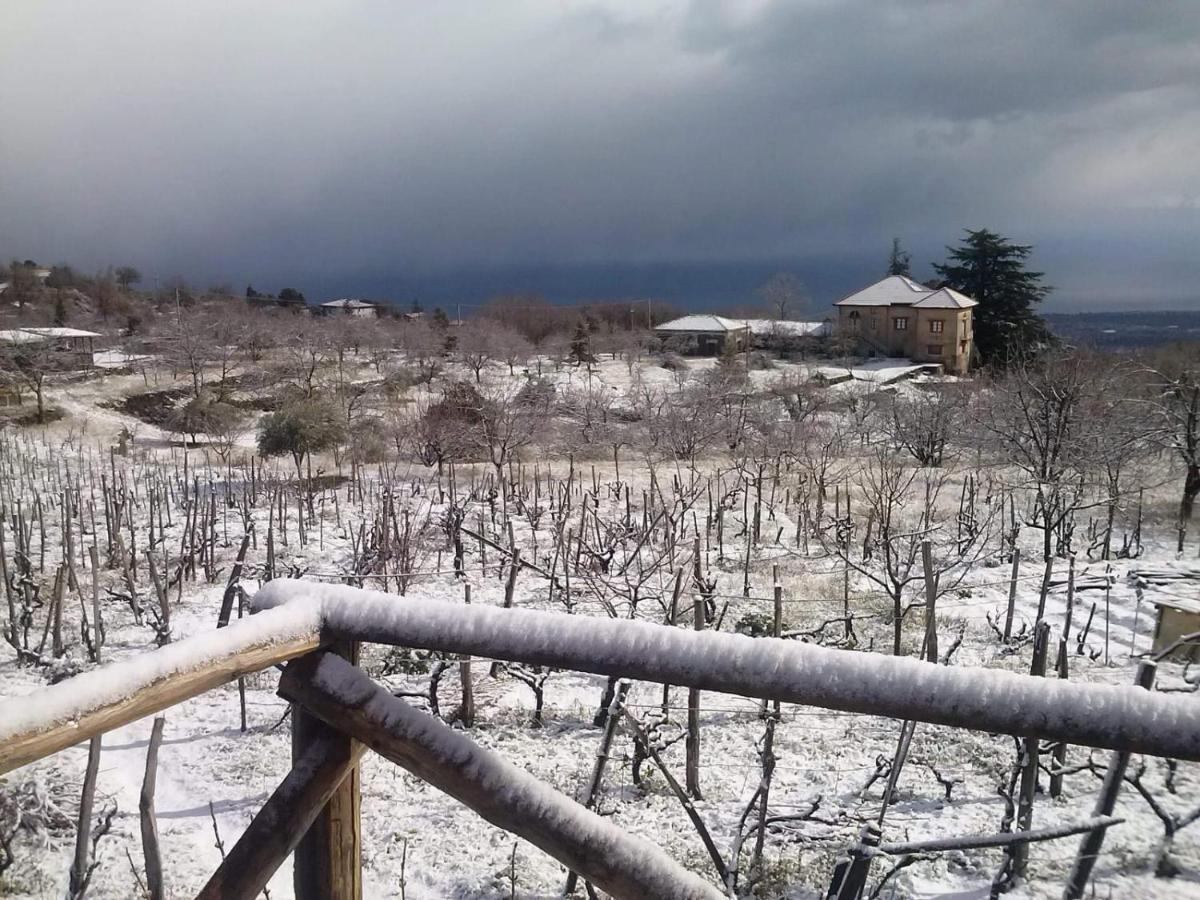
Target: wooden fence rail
[[1110, 717]]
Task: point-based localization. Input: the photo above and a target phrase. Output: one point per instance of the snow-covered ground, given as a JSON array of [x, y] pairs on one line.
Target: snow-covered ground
[[211, 773]]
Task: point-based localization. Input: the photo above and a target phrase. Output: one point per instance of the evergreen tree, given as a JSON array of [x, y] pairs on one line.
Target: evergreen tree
[[291, 295], [990, 269], [581, 343], [60, 309], [900, 261], [416, 307]]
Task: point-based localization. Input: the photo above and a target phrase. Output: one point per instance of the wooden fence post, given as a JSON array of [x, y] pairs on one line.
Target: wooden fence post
[[327, 864], [1029, 760], [149, 824], [692, 744], [602, 754], [931, 587], [1118, 762], [1062, 666], [1012, 594], [467, 713]]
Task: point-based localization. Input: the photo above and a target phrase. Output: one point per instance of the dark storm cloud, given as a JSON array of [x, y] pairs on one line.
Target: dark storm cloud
[[303, 138]]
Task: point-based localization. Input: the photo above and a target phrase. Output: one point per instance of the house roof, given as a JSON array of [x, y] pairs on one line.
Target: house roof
[[347, 303], [897, 290], [946, 298], [37, 335], [703, 323]]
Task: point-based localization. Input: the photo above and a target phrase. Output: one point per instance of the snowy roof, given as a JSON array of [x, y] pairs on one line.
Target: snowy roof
[[785, 326], [18, 336], [946, 298], [702, 323], [346, 303], [62, 332], [897, 290], [36, 335], [1182, 604]]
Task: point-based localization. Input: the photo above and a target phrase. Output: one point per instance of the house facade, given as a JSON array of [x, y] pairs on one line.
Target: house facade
[[901, 317]]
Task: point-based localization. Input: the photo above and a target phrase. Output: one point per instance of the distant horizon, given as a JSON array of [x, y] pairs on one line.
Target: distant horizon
[[694, 286]]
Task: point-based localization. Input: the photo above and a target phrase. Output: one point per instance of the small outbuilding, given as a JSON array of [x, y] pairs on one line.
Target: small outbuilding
[[705, 335], [1177, 618], [74, 347]]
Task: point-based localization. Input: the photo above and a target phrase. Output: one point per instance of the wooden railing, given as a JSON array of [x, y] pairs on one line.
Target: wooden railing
[[339, 712]]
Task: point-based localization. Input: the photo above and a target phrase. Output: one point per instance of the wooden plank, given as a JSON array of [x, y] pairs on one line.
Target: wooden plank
[[328, 859], [625, 866], [284, 819], [148, 690]]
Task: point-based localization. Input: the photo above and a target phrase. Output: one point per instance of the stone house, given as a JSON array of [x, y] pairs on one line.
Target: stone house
[[901, 317]]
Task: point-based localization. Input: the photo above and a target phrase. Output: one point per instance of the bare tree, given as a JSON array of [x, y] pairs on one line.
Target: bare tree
[[421, 344], [1175, 378], [922, 423], [510, 345], [896, 514], [783, 292], [474, 347], [510, 423], [29, 363], [1036, 418], [307, 350]]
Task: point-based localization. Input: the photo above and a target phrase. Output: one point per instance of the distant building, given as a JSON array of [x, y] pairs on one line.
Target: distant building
[[76, 347], [901, 317], [705, 335], [348, 307]]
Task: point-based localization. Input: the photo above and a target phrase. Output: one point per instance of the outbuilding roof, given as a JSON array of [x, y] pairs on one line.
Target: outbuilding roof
[[897, 290], [37, 335], [349, 304], [62, 332], [704, 323]]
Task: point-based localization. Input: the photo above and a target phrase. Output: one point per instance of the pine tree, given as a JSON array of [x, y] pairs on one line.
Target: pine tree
[[991, 270], [581, 343], [900, 261]]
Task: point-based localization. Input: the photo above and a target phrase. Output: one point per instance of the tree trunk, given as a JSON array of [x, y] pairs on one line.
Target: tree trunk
[[1191, 485]]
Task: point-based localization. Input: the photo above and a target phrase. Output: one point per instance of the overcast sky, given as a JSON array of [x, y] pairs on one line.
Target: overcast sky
[[312, 142]]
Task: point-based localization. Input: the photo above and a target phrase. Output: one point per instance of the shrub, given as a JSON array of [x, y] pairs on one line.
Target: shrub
[[202, 415], [301, 428], [536, 392]]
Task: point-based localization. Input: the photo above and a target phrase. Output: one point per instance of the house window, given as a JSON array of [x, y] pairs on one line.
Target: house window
[[936, 326], [873, 323], [934, 349], [901, 323]]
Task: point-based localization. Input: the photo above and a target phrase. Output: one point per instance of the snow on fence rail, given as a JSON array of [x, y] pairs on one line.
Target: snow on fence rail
[[296, 616]]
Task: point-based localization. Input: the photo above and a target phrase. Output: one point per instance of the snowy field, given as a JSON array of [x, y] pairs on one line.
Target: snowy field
[[417, 842]]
